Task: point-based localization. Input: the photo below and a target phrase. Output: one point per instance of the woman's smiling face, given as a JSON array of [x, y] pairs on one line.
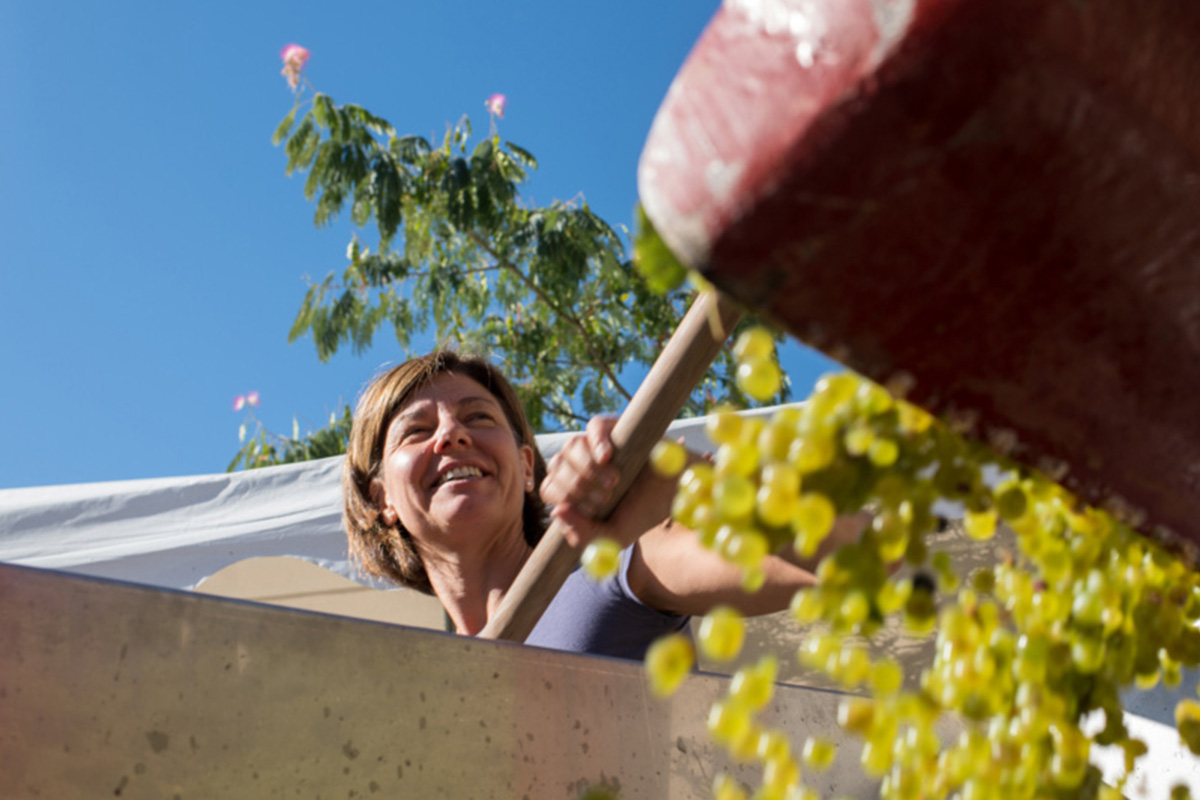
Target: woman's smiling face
[[453, 473]]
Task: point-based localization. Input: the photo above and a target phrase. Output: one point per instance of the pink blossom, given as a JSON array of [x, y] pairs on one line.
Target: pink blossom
[[239, 402], [294, 58], [495, 105], [252, 398]]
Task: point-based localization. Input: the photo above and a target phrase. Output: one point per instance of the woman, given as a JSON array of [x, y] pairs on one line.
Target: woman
[[442, 481]]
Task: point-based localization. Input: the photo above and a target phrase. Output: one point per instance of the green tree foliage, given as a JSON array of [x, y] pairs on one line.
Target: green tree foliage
[[547, 291], [264, 449]]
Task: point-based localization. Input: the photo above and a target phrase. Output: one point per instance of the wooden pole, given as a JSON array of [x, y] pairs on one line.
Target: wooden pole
[[658, 400]]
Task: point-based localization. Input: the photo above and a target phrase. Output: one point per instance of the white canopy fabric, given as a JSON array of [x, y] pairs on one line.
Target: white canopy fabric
[[174, 532]]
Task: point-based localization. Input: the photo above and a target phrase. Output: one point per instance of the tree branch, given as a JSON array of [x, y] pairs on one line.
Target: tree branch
[[597, 361], [567, 413], [390, 281]]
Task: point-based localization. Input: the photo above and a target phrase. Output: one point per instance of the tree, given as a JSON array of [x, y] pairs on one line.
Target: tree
[[547, 291]]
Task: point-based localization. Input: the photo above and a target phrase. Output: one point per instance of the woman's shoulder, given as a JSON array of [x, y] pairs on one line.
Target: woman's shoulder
[[604, 618]]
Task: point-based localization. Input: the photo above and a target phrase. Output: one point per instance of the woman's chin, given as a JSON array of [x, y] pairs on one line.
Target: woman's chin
[[470, 512], [459, 496]]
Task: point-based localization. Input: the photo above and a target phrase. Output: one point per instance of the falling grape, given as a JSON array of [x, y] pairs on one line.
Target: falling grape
[[812, 453], [813, 520], [753, 686], [759, 378], [780, 776], [773, 744], [754, 343], [721, 633], [601, 559], [819, 753], [1187, 720], [886, 677], [724, 425], [728, 721], [726, 788], [981, 525], [668, 458], [668, 661]]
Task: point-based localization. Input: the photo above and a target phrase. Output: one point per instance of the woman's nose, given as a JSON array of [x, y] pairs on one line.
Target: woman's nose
[[451, 433]]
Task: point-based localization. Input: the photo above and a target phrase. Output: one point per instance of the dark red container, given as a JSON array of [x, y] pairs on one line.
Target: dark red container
[[994, 201]]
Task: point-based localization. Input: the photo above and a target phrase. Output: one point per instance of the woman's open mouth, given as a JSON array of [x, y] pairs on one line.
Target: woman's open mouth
[[456, 474]]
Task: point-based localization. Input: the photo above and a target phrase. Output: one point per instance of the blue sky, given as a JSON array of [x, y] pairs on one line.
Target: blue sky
[[153, 251]]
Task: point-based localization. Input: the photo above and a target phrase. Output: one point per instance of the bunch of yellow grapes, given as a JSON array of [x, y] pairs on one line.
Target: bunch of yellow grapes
[[1025, 650]]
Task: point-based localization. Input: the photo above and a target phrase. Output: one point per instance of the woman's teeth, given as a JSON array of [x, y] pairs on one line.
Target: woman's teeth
[[457, 473]]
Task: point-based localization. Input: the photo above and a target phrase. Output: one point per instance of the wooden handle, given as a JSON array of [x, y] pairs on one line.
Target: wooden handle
[[662, 394]]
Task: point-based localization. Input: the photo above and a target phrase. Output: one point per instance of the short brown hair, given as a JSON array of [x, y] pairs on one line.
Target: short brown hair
[[387, 551]]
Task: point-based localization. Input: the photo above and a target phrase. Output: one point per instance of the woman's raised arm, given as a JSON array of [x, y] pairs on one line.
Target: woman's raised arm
[[670, 570]]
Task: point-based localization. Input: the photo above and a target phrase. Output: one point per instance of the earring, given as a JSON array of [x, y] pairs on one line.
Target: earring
[[529, 484]]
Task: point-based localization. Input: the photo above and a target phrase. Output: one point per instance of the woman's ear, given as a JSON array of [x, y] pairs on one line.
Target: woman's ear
[[527, 465], [379, 500]]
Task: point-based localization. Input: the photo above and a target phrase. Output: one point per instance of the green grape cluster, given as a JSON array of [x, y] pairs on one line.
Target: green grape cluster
[[734, 724], [1024, 651]]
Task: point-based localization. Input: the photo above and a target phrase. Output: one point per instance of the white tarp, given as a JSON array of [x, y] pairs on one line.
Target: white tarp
[[174, 532]]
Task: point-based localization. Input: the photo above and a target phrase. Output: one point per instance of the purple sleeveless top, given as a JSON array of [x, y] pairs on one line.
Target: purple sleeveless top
[[602, 618]]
